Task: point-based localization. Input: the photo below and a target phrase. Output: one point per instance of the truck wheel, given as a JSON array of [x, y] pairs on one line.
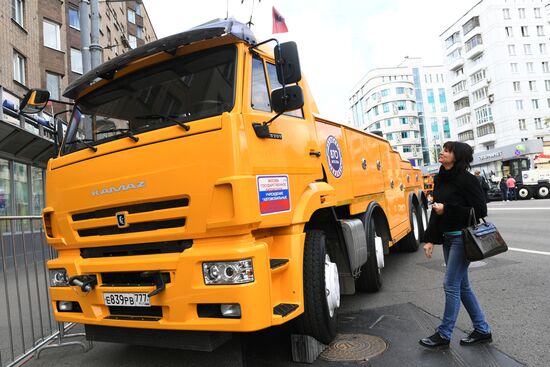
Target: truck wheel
[[411, 242], [321, 290], [524, 193], [422, 220], [543, 192], [370, 280]]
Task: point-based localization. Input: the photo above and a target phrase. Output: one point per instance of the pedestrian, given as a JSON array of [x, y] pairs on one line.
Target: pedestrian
[[456, 191], [484, 185], [503, 188], [511, 183]]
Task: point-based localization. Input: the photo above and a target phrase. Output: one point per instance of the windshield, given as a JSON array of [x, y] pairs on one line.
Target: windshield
[[187, 88]]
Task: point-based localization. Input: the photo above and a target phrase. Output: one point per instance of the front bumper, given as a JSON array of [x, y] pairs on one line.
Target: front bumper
[[186, 289]]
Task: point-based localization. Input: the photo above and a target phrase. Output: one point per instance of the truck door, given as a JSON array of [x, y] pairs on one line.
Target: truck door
[[288, 155]]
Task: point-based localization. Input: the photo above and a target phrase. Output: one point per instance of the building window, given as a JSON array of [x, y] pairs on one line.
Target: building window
[[485, 130], [401, 105], [19, 67], [465, 136], [400, 90], [431, 100], [527, 49], [473, 42], [388, 123], [21, 186], [533, 85], [517, 86], [403, 120], [51, 35], [545, 67], [385, 92], [37, 187], [446, 128], [477, 77], [509, 31], [5, 188], [404, 135], [454, 38], [537, 12], [542, 48], [529, 67], [519, 104], [17, 11], [74, 19], [514, 67], [450, 58], [407, 149], [540, 30], [535, 103], [547, 85], [483, 114], [131, 16], [471, 24], [139, 32], [442, 100], [480, 94], [138, 9], [53, 84], [506, 13], [525, 31], [386, 107], [538, 123], [521, 13], [512, 50], [522, 125], [76, 61], [132, 40]]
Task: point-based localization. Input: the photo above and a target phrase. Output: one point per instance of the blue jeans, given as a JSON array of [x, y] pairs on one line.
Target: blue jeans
[[457, 288]]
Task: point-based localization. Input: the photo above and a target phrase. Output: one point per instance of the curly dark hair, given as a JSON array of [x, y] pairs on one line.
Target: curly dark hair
[[464, 154]]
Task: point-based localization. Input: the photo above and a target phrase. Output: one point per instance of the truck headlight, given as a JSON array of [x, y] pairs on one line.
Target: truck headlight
[[228, 272], [59, 278]]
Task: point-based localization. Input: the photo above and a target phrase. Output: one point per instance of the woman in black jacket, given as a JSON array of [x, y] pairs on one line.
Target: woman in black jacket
[[456, 191]]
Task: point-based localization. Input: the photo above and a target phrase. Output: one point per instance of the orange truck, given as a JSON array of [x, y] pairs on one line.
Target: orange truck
[[197, 191]]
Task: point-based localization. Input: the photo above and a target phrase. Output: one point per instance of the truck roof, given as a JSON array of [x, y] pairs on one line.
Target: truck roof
[[212, 29]]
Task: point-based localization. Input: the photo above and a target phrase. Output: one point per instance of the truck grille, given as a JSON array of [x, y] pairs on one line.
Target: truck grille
[[137, 249], [131, 209], [137, 227], [163, 215]]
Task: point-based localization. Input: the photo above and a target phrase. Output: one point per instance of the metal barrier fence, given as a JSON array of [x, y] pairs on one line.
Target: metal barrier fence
[[27, 324], [26, 320]]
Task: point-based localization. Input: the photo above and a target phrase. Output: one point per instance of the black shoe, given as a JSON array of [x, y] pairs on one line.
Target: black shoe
[[476, 337], [434, 341]]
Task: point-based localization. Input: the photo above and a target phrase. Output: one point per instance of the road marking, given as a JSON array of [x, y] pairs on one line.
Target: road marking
[[529, 251], [505, 209]]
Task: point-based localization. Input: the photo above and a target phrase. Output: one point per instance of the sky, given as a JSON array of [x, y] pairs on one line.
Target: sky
[[339, 41]]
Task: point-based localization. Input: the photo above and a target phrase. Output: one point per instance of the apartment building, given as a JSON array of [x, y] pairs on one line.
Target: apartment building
[[408, 104], [498, 68]]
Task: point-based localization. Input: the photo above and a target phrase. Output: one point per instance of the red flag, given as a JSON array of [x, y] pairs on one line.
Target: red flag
[[279, 25]]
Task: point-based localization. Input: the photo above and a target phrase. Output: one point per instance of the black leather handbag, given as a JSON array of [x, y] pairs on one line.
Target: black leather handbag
[[482, 240]]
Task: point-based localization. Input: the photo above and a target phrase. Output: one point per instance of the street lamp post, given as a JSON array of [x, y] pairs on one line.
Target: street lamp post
[[84, 11]]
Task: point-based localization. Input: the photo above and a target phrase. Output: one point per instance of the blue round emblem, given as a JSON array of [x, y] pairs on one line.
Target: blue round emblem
[[334, 157]]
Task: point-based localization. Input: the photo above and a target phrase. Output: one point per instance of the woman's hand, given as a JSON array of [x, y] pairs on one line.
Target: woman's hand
[[428, 249], [438, 208]]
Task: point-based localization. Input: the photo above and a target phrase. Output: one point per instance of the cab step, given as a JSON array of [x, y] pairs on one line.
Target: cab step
[[283, 309], [276, 263]]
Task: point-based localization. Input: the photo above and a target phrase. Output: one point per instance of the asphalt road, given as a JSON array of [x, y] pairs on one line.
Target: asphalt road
[[513, 289]]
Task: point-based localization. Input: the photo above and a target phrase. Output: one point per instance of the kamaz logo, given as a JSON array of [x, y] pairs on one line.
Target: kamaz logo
[[113, 189]]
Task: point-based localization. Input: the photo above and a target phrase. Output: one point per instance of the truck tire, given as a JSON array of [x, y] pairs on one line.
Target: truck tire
[[422, 220], [543, 192], [370, 279], [411, 242], [320, 303], [524, 193]]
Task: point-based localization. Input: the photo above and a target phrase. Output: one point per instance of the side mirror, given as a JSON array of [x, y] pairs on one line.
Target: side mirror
[[34, 101], [288, 63], [293, 100]]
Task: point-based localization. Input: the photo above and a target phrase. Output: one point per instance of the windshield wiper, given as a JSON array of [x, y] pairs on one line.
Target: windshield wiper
[[126, 132], [164, 118], [84, 142]]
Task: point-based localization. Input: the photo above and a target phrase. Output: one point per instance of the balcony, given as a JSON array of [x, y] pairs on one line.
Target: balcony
[[459, 95], [487, 139], [474, 51], [463, 128], [456, 64]]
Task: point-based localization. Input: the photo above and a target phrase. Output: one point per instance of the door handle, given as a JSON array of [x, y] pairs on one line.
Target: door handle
[[316, 154]]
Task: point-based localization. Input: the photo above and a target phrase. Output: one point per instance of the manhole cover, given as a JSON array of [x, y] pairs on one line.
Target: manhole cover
[[354, 347]]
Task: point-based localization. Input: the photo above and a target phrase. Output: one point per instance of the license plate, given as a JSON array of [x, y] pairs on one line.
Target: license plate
[[126, 299]]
